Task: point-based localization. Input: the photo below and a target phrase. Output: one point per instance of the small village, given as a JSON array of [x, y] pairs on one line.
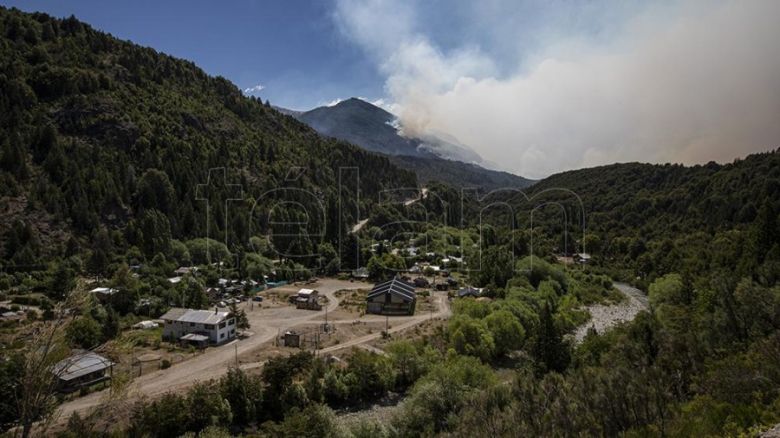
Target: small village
[[250, 320]]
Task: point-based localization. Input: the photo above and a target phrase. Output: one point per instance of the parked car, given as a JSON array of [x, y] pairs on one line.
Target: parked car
[[257, 298]]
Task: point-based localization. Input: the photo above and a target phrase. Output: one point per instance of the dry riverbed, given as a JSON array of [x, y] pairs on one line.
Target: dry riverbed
[[604, 317]]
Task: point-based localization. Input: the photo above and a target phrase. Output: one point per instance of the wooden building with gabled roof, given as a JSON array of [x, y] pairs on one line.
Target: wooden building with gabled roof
[[393, 297]]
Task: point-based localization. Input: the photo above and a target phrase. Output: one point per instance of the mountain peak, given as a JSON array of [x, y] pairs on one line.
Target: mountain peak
[[358, 104]]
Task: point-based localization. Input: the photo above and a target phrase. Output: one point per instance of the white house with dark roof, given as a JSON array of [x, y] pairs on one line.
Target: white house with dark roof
[[212, 327], [393, 297]]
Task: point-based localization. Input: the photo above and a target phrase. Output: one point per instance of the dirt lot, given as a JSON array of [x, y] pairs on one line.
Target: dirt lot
[[139, 352]]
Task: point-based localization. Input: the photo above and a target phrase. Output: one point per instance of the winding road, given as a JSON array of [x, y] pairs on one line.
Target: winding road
[[423, 194]]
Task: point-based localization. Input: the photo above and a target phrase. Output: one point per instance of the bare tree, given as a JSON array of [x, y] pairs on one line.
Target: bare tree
[[36, 396]]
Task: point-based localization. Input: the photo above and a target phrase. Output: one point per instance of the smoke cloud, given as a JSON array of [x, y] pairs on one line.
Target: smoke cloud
[[689, 83]]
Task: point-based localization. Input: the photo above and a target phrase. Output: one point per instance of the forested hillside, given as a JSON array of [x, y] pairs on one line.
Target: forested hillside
[[655, 219], [101, 133]]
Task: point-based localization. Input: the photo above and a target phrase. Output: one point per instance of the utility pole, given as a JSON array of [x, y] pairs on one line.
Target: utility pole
[[236, 346], [387, 325]]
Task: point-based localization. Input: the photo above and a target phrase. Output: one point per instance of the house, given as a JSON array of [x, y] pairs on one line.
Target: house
[[12, 316], [174, 280], [360, 273], [582, 258], [393, 297], [468, 292], [104, 291], [252, 285], [81, 370], [217, 327], [307, 299], [184, 270]]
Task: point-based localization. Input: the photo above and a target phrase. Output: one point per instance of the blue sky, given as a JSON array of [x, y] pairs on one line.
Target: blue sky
[[292, 48], [300, 51]]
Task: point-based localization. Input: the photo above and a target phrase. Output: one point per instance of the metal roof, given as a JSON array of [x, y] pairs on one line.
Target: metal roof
[[469, 291], [104, 290], [80, 365], [197, 316], [397, 287], [306, 292]]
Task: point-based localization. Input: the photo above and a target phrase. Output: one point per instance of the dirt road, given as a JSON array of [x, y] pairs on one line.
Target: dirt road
[[603, 317], [443, 310], [214, 362], [397, 324], [423, 194], [266, 323]]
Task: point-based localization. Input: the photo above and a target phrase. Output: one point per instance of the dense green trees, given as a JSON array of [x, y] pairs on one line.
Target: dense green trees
[[385, 266], [100, 132]]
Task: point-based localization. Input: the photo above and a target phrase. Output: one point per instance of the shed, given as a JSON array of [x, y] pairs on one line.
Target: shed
[[468, 292], [393, 297], [307, 299], [292, 339], [360, 273], [81, 370]]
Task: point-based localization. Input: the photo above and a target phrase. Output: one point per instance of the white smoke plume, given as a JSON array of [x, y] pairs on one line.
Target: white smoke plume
[[688, 82]]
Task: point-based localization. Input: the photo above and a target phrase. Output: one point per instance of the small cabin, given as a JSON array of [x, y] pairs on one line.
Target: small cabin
[[360, 273], [582, 258], [292, 339], [308, 299], [81, 371]]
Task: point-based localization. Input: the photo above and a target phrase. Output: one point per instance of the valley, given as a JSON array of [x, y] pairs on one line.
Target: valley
[[180, 258]]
